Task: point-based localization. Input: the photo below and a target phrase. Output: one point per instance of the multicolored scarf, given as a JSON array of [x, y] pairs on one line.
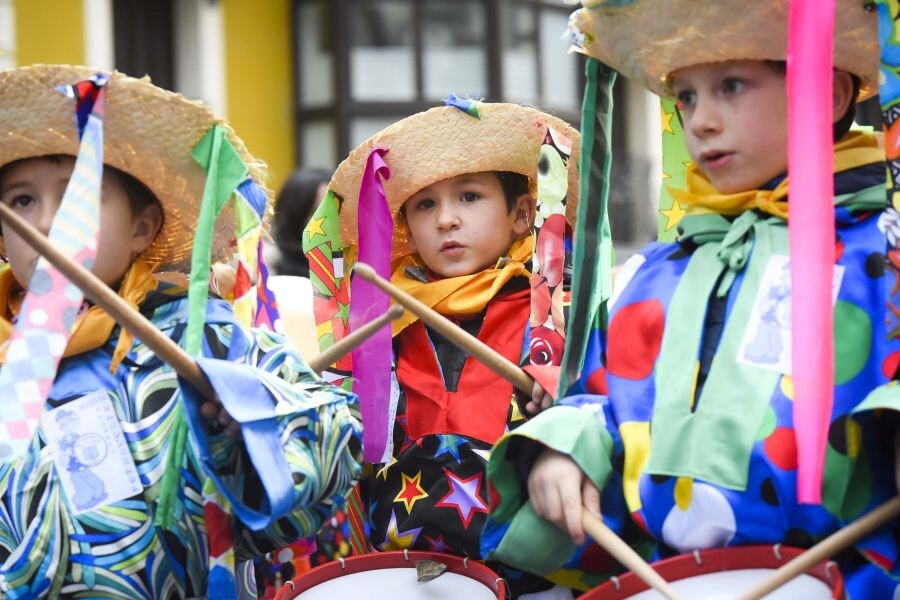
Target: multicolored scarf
[[700, 197], [93, 326], [49, 308], [466, 295]]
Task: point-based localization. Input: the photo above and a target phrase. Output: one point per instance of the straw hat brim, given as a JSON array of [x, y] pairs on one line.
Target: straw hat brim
[[149, 133], [445, 142], [648, 40]]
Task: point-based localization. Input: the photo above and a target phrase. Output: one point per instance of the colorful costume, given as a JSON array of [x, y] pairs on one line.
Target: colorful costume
[[697, 430], [442, 438], [723, 472], [112, 496], [427, 489], [117, 551]]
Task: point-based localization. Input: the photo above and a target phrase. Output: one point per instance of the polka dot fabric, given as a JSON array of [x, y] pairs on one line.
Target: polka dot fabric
[[858, 478], [683, 512]]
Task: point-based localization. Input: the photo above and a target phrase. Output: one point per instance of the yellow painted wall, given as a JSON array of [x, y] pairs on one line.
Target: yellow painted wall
[[49, 31], [259, 76]]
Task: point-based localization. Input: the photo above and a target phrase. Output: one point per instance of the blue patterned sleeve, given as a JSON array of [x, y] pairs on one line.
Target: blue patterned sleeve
[[300, 448]]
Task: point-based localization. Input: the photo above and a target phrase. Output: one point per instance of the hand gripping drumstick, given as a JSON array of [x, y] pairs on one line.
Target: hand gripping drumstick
[[524, 383], [144, 330], [831, 545]]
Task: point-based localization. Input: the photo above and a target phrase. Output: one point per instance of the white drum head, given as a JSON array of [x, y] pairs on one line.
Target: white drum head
[[728, 585], [399, 584]]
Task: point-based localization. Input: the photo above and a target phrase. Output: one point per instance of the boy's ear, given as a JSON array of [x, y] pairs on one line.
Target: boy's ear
[[842, 95], [145, 227], [523, 215]]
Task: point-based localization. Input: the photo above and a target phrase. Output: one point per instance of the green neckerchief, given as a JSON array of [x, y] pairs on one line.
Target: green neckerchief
[[713, 439]]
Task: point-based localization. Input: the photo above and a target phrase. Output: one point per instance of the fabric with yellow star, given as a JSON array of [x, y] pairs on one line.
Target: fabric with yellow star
[[675, 160]]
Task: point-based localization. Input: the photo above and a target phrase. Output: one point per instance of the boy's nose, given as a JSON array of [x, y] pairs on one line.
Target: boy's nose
[[447, 218], [705, 118], [45, 217]]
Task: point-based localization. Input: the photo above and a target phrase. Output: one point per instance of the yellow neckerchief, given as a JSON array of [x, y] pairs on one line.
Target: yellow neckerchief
[[92, 327], [700, 197], [459, 296]]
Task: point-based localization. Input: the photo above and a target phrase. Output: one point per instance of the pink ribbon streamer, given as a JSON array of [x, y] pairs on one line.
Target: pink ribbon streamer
[[372, 360], [811, 226]]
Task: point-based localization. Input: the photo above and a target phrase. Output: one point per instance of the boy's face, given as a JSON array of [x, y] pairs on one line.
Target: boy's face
[[461, 225], [34, 189], [735, 122]]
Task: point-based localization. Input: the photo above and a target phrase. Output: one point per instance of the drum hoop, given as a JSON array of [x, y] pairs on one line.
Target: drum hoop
[[375, 561], [706, 562]]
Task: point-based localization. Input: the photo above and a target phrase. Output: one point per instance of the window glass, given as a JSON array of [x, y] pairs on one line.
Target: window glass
[[316, 58], [382, 65], [520, 54], [558, 66], [318, 144], [454, 48]]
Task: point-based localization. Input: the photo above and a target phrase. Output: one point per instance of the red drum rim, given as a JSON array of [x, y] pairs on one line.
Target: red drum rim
[[705, 562], [391, 560]]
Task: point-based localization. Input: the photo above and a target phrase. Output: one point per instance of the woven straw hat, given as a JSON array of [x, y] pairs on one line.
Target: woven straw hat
[[647, 40], [445, 142], [148, 133]]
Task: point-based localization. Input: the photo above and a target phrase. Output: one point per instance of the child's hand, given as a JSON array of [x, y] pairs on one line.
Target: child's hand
[[559, 489], [219, 420], [540, 400]]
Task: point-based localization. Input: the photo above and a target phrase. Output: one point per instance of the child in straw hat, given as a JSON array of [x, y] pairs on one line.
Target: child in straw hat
[[698, 416], [455, 188], [80, 504]]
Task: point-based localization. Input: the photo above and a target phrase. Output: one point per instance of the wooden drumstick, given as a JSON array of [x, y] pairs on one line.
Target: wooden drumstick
[[523, 382], [104, 297], [828, 547], [495, 361], [347, 344], [625, 554], [141, 328]]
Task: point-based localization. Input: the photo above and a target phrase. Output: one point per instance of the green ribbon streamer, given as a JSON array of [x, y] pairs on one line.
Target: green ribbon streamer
[[225, 170], [593, 254], [713, 439]]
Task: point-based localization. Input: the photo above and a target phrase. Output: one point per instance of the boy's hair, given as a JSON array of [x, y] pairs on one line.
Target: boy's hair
[[139, 195], [842, 125], [514, 185]]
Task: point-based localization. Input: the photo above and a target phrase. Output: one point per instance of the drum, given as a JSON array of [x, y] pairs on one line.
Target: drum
[[725, 573], [393, 575]]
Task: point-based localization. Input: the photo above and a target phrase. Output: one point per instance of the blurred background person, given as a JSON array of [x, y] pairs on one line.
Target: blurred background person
[[296, 203]]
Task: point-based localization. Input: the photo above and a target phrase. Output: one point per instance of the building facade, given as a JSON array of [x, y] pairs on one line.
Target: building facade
[[304, 81]]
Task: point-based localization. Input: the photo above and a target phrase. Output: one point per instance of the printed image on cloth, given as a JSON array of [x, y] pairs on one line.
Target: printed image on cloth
[[115, 550], [767, 338], [90, 453]]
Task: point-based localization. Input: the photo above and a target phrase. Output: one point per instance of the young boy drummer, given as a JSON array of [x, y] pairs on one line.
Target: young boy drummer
[[461, 199], [698, 419], [80, 501]]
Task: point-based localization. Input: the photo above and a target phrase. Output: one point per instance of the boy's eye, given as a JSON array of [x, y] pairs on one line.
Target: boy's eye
[[20, 201], [469, 197], [685, 99], [424, 204], [731, 85]]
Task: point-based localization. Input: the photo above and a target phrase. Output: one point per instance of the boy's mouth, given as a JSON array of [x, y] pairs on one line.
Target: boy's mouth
[[451, 247], [713, 159]]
